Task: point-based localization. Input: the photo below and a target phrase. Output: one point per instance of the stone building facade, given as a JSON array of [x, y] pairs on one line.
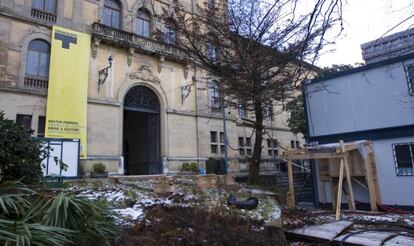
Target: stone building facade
[[152, 113]]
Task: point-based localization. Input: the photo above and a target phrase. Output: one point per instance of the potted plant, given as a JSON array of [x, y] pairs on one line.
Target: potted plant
[[99, 171], [189, 169]]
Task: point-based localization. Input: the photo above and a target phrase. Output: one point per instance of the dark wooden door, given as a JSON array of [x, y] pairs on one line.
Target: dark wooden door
[[141, 132]]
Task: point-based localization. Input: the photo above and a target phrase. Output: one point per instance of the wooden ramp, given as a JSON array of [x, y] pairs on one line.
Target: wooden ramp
[[338, 232]]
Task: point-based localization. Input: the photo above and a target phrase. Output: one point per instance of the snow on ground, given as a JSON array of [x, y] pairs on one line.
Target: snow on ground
[[318, 217], [131, 199], [133, 213]]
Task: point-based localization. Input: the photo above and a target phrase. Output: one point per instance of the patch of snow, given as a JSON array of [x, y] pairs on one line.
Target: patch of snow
[[132, 213]]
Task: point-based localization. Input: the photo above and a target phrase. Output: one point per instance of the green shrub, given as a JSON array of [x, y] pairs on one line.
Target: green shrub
[[193, 167], [20, 154], [185, 166], [99, 168], [81, 171]]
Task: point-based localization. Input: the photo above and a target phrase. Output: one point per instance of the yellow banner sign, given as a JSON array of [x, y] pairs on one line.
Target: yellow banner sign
[[67, 96]]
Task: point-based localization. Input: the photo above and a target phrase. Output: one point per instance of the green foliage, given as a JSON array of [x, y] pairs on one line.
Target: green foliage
[[74, 213], [297, 121], [193, 167], [81, 170], [29, 217], [20, 154], [336, 68], [99, 168]]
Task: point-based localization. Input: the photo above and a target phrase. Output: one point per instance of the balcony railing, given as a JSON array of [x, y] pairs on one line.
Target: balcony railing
[[36, 83], [131, 40], [43, 15]]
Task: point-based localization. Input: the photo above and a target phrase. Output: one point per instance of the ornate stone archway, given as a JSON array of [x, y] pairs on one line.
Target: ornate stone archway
[[141, 146]]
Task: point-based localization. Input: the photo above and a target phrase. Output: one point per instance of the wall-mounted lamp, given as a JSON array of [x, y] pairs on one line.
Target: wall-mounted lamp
[[103, 73]]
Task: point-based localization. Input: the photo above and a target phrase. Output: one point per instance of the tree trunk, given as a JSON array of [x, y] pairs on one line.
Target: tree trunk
[[254, 167]]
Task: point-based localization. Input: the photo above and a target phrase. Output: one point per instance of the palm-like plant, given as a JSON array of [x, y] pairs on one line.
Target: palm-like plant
[[91, 218], [31, 218]]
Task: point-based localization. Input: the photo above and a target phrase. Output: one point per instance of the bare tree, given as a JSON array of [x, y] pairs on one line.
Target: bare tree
[[255, 50]]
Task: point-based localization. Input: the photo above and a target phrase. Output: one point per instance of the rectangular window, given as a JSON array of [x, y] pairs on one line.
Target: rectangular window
[[292, 144], [214, 142], [45, 5], [241, 146], [272, 149], [116, 16], [215, 102], [213, 137], [245, 146], [107, 17], [297, 145], [268, 112], [41, 126], [50, 6], [403, 157], [37, 4], [44, 65], [248, 142], [24, 120], [222, 150], [32, 62], [169, 36], [214, 149], [409, 71], [212, 51], [248, 146], [242, 111]]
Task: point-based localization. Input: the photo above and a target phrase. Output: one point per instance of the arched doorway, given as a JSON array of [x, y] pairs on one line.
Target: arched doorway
[[141, 144]]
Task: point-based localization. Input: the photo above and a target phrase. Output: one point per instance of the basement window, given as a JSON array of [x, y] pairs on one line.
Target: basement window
[[403, 158], [409, 71]]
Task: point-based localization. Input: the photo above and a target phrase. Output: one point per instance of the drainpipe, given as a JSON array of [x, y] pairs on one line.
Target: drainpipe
[[272, 144], [196, 115], [223, 109]]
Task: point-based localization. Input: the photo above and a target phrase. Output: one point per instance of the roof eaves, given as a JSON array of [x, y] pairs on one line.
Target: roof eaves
[[363, 68]]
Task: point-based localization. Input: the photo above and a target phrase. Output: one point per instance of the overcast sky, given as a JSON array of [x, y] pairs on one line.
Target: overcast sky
[[366, 20]]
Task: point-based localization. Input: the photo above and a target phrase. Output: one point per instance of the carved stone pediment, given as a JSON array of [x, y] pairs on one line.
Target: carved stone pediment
[[144, 73]]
